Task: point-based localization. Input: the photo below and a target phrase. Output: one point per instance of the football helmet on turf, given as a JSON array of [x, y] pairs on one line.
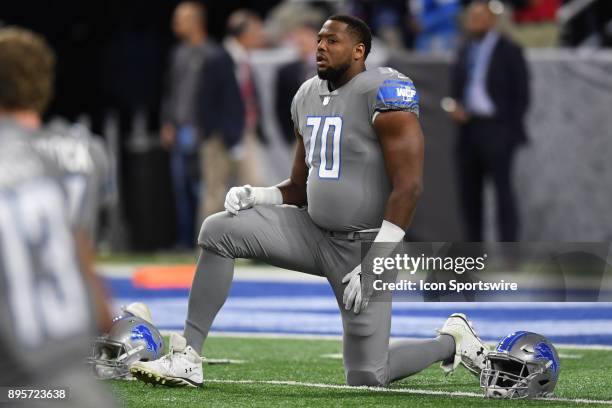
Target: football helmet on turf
[[130, 339], [523, 365]]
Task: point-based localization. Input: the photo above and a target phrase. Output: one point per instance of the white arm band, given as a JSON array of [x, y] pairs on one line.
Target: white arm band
[[389, 232], [267, 196]]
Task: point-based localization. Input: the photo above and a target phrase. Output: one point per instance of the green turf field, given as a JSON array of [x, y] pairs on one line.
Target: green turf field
[[290, 372]]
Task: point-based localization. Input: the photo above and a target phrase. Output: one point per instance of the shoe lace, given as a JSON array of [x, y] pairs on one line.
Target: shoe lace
[[168, 360]]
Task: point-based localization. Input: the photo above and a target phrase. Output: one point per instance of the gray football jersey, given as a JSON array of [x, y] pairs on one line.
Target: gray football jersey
[[85, 163], [45, 313], [348, 185]]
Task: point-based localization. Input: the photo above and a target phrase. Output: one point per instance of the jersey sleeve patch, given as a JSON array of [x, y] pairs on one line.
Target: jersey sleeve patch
[[396, 94]]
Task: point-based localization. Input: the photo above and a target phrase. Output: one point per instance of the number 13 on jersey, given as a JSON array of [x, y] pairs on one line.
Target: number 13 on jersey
[[329, 146]]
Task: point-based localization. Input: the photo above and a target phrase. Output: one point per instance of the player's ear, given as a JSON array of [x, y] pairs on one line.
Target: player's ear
[[358, 51]]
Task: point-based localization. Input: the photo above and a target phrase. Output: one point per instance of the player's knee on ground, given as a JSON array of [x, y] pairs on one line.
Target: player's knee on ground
[[360, 378], [218, 232]]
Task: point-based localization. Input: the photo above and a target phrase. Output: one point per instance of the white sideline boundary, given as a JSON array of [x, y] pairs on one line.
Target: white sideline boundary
[[398, 390], [267, 335], [338, 356]]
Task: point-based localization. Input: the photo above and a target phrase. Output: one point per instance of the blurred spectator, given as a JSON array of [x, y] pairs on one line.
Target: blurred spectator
[[202, 113], [178, 131], [245, 33], [287, 15], [535, 23], [491, 92], [435, 24], [293, 74], [390, 20], [537, 11]]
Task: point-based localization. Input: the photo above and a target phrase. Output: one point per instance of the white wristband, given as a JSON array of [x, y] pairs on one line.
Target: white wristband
[[389, 232], [267, 196]]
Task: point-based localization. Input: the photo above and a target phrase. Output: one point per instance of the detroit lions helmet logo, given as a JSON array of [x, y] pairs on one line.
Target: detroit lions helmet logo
[[143, 332], [544, 352]]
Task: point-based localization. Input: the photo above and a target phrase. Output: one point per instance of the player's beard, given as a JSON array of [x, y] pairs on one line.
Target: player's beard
[[333, 74]]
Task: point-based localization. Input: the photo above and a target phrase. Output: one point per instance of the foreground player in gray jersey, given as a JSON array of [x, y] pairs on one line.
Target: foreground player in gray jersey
[[356, 177], [47, 312]]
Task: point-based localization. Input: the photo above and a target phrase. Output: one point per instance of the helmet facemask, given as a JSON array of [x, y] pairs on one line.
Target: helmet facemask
[[508, 377], [111, 359], [131, 338]]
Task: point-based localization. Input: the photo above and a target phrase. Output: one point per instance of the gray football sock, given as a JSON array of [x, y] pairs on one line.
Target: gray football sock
[[409, 357], [210, 288]]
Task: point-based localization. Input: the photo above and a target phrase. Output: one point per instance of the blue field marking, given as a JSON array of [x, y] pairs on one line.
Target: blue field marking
[[492, 313], [121, 287], [311, 308]]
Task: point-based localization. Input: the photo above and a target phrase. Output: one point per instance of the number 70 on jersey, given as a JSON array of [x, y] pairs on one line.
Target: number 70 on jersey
[[330, 139]]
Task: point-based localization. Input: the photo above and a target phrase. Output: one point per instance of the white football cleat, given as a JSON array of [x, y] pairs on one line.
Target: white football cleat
[[469, 349], [181, 367]]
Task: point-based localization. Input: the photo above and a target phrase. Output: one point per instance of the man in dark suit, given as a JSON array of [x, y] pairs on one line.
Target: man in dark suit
[[490, 87], [293, 74], [202, 117]]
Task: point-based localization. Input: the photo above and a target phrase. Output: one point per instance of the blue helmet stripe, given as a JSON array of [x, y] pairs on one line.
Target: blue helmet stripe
[[507, 343]]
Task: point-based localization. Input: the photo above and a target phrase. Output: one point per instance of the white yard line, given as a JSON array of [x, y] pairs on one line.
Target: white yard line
[[338, 356], [586, 346], [398, 390], [222, 361], [333, 356], [570, 356]]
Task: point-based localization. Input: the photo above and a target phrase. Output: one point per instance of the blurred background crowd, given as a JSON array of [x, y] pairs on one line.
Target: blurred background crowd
[[193, 97]]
